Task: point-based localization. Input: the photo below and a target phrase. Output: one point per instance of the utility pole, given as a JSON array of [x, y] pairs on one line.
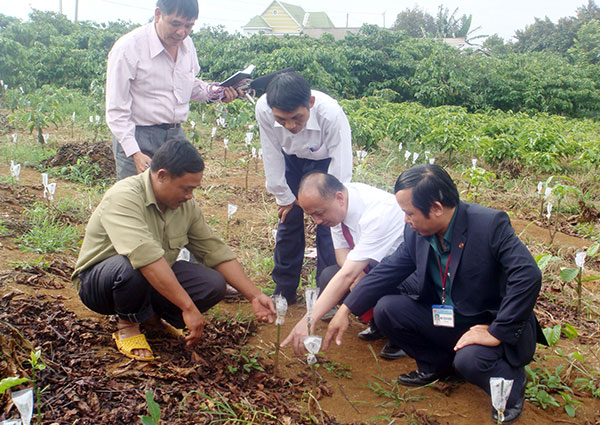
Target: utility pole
[[60, 6], [347, 17], [76, 9], [383, 18]]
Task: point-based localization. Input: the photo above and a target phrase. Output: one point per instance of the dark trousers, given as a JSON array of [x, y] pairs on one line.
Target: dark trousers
[[290, 243], [114, 287], [149, 139], [409, 324], [326, 276]]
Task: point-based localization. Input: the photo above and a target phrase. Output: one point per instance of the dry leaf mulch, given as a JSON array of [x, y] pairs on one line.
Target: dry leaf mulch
[[88, 382], [99, 153]]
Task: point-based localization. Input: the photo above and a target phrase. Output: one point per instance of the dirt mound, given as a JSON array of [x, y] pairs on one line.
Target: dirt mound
[[98, 153]]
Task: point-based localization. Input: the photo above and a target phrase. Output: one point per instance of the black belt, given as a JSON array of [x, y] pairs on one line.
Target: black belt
[[167, 126]]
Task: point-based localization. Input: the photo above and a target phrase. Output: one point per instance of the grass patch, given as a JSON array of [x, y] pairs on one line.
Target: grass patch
[[46, 234], [27, 152]]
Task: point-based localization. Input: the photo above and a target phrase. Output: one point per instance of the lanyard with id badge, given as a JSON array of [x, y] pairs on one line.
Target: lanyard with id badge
[[443, 315]]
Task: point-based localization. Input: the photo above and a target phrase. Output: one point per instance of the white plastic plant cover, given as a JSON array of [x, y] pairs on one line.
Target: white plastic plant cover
[[231, 209], [312, 343], [49, 191], [184, 255], [281, 307], [23, 399], [580, 259], [500, 390], [15, 170], [311, 295]]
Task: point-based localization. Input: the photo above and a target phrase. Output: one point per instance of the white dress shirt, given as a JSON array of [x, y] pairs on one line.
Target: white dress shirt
[[326, 135], [375, 221], [144, 86]]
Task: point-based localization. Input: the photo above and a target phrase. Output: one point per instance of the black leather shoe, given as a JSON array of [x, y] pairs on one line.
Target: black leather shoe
[[511, 414], [416, 378], [370, 334], [391, 352]]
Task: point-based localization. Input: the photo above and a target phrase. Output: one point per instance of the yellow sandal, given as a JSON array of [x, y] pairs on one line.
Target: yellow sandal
[[136, 342]]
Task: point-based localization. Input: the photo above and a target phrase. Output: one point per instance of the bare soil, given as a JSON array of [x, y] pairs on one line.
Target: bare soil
[[89, 382]]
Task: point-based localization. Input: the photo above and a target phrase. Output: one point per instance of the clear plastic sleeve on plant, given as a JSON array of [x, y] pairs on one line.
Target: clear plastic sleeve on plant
[[49, 191], [500, 391], [15, 170], [184, 255], [231, 209], [23, 399], [580, 259], [281, 307], [311, 295], [312, 343]]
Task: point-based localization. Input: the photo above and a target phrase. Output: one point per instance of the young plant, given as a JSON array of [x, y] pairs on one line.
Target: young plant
[[543, 383], [37, 365], [551, 229], [231, 209], [475, 177], [544, 191], [40, 109], [281, 309], [570, 274], [153, 409], [45, 234]]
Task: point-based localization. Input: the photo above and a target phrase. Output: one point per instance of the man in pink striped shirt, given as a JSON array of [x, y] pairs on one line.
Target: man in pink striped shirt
[[150, 80]]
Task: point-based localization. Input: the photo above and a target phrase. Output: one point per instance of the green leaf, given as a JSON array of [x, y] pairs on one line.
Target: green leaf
[[589, 278], [569, 331], [576, 355], [147, 420], [543, 261], [570, 410], [153, 407], [568, 274], [593, 250], [11, 381], [552, 335]]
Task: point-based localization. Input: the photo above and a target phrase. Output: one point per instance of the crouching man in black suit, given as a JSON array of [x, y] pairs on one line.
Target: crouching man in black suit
[[477, 285]]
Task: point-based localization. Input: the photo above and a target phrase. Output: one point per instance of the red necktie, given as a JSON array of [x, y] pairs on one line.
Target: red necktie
[[367, 316], [347, 236]]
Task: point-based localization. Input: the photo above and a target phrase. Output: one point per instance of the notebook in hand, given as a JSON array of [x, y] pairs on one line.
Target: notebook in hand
[[238, 77]]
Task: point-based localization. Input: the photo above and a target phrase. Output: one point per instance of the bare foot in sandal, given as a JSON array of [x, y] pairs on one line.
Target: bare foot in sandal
[[157, 324], [126, 329]]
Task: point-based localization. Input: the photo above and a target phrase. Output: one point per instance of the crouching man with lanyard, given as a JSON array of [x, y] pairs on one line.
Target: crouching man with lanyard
[[477, 285]]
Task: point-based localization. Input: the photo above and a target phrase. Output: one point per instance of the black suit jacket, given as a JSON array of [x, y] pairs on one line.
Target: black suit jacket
[[491, 274]]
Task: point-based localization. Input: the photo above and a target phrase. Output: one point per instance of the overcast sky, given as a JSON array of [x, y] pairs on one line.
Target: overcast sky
[[493, 16]]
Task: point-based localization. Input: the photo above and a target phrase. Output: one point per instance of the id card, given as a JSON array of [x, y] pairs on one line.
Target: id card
[[443, 315]]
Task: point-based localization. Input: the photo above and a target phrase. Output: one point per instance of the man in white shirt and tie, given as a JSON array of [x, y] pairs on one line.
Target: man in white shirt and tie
[[365, 228], [301, 130], [150, 80]]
